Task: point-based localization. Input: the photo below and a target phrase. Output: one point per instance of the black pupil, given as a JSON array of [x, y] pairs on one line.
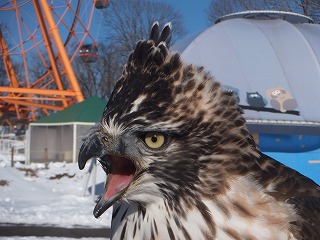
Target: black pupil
[[154, 138]]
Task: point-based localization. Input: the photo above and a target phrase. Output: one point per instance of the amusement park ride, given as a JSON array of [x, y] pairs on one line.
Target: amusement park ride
[[39, 39]]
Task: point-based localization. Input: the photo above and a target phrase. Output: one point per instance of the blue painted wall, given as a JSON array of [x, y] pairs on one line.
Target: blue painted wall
[[288, 143], [300, 162]]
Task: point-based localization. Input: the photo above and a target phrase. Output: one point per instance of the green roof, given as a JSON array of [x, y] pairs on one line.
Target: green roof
[[89, 110]]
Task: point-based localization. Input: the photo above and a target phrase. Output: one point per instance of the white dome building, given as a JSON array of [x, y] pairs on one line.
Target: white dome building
[[271, 60]]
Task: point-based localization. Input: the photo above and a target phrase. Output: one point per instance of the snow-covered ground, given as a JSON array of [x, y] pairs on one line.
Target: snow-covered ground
[[31, 194]]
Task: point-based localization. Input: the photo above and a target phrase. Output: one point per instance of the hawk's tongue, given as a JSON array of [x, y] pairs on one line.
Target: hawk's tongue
[[121, 175], [116, 183]]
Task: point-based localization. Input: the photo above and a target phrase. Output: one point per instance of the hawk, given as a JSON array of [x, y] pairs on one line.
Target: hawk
[[181, 163]]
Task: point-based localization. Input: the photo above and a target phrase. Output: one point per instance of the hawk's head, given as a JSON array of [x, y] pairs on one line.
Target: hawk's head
[[169, 131]]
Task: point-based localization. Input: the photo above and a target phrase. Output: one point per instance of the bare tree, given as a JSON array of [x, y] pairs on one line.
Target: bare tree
[[218, 8], [128, 21], [3, 77], [3, 73]]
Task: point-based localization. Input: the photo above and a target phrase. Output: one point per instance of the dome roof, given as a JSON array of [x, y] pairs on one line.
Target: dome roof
[[268, 15], [271, 61]]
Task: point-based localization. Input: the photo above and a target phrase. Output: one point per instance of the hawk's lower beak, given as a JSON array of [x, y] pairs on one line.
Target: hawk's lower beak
[[121, 172], [103, 205]]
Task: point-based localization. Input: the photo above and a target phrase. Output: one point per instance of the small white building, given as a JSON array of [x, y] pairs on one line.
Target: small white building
[[59, 136]]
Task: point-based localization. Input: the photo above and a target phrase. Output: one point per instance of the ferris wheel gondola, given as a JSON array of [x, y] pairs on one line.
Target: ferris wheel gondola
[[101, 4], [89, 53]]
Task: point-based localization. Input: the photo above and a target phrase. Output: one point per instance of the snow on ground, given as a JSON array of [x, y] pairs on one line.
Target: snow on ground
[[31, 194]]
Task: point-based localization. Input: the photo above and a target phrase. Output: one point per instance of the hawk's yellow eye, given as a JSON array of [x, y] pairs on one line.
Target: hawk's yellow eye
[[154, 140]]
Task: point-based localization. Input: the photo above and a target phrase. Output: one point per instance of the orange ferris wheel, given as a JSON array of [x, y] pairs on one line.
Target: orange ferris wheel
[[39, 39]]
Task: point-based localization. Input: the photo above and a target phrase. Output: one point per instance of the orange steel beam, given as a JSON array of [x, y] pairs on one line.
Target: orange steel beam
[[23, 54], [74, 23], [8, 66], [9, 123], [7, 62], [48, 46], [37, 91], [45, 111], [34, 104], [33, 98], [63, 54]]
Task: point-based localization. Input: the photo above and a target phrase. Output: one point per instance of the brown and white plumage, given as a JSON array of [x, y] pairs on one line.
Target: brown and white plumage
[[181, 163]]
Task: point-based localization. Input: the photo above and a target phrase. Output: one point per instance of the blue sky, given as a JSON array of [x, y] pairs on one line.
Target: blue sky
[[193, 12], [194, 15]]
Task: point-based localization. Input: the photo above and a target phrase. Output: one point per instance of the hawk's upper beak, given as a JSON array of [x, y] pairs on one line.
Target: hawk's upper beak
[[91, 148], [120, 170]]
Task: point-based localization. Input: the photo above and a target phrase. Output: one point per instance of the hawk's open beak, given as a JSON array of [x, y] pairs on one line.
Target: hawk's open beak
[[120, 171]]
